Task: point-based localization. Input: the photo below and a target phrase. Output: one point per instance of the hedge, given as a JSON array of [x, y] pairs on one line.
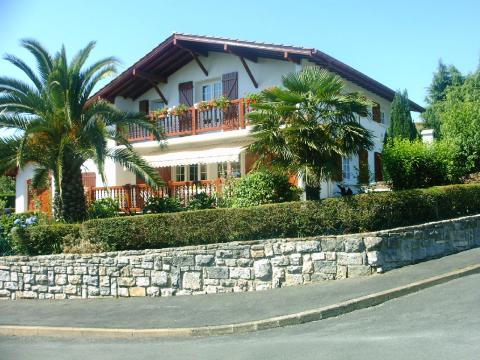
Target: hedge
[[364, 212], [358, 213], [9, 200], [43, 239]]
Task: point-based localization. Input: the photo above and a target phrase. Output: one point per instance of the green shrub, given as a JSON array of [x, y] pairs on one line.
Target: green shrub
[[201, 201], [43, 239], [7, 223], [9, 200], [261, 187], [155, 205], [364, 212], [414, 164], [103, 208]]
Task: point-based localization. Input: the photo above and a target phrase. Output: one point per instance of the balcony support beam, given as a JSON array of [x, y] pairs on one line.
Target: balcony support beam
[[152, 79], [194, 55], [247, 69]]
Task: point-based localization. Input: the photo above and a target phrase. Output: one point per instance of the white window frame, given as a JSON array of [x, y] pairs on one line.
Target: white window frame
[[347, 169], [155, 105], [215, 90]]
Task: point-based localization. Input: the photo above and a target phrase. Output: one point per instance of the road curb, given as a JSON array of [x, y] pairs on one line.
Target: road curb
[[251, 326]]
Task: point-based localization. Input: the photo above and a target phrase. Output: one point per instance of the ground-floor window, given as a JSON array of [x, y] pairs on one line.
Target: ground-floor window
[[347, 174], [180, 173], [225, 169]]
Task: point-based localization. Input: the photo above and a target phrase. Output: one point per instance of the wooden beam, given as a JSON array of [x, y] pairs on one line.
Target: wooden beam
[[193, 54], [239, 53], [247, 69], [159, 92], [148, 76], [287, 57]]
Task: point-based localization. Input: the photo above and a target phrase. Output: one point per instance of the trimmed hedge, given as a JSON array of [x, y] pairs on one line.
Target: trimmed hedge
[[43, 239], [9, 200], [365, 212]]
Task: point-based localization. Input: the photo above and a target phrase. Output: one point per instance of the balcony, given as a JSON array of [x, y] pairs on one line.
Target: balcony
[[195, 121], [132, 198]]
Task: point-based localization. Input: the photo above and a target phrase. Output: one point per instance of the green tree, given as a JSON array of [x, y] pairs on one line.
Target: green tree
[[306, 127], [7, 185], [56, 126], [401, 124], [443, 78], [460, 113]]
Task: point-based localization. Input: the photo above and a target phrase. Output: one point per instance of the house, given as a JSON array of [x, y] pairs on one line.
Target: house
[[206, 144]]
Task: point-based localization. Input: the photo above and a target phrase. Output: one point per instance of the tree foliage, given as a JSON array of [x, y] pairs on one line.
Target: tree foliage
[[56, 126], [304, 127], [401, 123]]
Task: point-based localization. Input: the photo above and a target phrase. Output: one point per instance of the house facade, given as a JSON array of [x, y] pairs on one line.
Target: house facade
[[205, 140]]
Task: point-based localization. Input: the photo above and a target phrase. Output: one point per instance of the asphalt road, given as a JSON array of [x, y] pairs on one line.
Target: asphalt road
[[442, 322]]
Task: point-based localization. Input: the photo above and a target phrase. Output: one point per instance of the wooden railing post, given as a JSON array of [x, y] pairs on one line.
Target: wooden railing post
[[128, 196], [241, 104], [194, 121]]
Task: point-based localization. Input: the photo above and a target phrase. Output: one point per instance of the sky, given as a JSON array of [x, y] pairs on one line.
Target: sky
[[397, 43]]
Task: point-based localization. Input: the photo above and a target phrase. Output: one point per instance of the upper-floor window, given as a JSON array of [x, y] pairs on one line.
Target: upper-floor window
[[384, 121], [347, 173], [211, 91], [156, 105]]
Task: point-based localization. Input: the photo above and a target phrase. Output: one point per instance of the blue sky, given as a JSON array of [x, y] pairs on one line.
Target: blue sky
[[396, 42]]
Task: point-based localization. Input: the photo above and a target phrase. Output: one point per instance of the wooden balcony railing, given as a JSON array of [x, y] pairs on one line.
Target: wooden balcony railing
[[132, 198], [196, 121]]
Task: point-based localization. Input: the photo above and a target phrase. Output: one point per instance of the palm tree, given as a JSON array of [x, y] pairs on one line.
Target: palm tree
[[306, 127], [55, 125]]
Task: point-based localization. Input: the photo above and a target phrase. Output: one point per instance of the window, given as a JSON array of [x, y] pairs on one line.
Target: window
[[211, 91], [235, 169], [346, 169], [156, 105], [180, 173], [383, 118], [203, 172], [225, 169], [193, 172], [222, 170]]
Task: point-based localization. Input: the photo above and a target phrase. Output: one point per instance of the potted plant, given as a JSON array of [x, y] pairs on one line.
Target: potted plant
[[222, 102], [180, 110], [203, 106], [159, 114]]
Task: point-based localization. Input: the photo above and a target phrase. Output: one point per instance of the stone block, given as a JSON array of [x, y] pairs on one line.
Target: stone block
[[244, 262], [93, 291], [296, 259], [217, 272], [293, 279], [55, 289], [159, 278], [70, 289], [90, 280], [142, 281], [287, 248], [240, 273], [374, 258], [204, 260], [10, 285], [331, 244], [75, 279], [123, 292], [126, 281], [4, 294], [153, 291], [26, 295], [280, 260], [192, 281], [353, 244], [60, 279], [167, 292], [350, 258], [325, 267], [136, 291], [262, 269], [41, 279], [257, 253], [29, 279], [187, 260], [137, 272], [307, 246], [358, 270]]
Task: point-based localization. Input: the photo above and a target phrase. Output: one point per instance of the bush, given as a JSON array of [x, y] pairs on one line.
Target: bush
[[103, 208], [261, 187], [155, 205], [364, 212], [7, 223], [43, 239], [414, 164], [201, 201], [9, 200]]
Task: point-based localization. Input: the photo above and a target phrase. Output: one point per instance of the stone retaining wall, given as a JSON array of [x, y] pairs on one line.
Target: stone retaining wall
[[235, 266]]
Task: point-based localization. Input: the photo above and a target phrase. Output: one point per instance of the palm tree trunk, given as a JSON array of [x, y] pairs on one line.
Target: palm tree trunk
[[57, 198], [74, 206]]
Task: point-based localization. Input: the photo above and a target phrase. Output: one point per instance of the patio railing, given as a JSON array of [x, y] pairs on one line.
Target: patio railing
[[196, 121], [132, 198]]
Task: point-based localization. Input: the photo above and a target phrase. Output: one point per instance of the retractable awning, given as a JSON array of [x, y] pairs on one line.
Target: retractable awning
[[207, 156]]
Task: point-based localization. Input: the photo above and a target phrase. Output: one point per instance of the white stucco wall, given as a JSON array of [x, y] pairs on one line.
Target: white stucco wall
[[21, 188]]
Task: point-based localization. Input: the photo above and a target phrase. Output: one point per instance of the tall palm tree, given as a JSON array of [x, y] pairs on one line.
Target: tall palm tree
[[55, 126], [306, 126]]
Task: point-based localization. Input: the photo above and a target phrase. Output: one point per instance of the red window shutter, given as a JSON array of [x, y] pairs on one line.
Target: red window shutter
[[377, 116], [378, 167], [364, 177], [89, 179], [143, 107], [230, 85], [185, 93], [165, 173]]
